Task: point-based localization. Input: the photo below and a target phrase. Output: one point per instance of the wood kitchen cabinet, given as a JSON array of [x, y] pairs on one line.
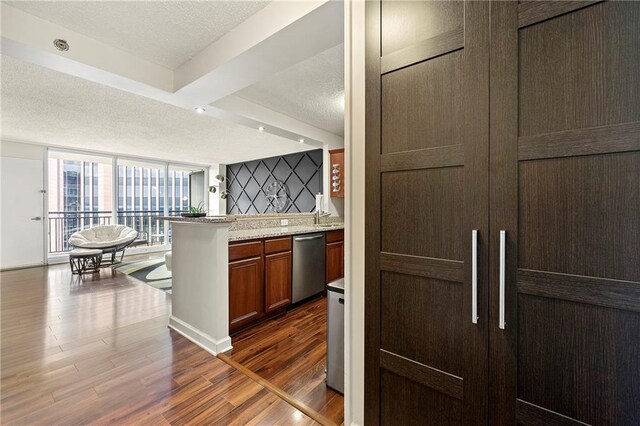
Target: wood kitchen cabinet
[[259, 280], [260, 276], [334, 256], [246, 284], [245, 292], [277, 274]]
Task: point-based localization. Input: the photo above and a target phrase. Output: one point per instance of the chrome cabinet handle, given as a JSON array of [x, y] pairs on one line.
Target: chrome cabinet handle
[[36, 218], [307, 238], [503, 249], [474, 276]]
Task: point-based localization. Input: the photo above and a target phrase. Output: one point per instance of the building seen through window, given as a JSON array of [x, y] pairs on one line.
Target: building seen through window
[[81, 195]]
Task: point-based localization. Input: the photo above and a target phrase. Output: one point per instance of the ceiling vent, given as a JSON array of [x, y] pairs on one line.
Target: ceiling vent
[[61, 45]]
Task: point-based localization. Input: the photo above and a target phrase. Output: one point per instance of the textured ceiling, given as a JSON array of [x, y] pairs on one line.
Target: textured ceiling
[[48, 107], [168, 33], [311, 91]]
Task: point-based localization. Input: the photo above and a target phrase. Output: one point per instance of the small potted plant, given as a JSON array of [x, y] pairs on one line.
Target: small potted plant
[[197, 211]]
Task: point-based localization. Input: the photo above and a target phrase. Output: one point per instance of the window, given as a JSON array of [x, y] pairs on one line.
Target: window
[[79, 195], [138, 199], [82, 195], [178, 196]]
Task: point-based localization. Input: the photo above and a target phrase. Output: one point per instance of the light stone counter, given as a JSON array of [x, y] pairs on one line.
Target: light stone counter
[[205, 219], [251, 234]]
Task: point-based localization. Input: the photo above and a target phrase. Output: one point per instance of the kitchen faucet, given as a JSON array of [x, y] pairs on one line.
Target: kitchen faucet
[[318, 215]]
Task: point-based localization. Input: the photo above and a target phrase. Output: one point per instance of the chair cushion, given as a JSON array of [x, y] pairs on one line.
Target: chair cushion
[[84, 252], [103, 236]]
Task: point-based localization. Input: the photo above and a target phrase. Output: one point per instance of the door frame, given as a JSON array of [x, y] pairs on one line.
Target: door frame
[[45, 206], [373, 127], [355, 211]]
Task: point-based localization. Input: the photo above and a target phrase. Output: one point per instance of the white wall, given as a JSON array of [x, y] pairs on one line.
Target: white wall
[[22, 150], [217, 206], [354, 209]]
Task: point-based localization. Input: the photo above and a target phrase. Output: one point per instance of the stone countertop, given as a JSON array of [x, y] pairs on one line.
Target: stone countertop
[[254, 234], [205, 219]]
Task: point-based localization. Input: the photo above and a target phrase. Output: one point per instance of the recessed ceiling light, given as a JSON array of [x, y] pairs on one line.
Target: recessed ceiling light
[[261, 128], [61, 44], [301, 140], [199, 110]]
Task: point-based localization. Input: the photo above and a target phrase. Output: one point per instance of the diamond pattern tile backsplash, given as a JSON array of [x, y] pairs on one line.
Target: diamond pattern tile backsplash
[[301, 173]]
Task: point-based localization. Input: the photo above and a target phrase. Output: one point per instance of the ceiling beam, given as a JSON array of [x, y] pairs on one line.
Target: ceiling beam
[[30, 38], [235, 108], [254, 50]]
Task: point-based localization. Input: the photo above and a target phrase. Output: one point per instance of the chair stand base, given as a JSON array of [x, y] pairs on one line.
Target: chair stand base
[[85, 264], [112, 258]]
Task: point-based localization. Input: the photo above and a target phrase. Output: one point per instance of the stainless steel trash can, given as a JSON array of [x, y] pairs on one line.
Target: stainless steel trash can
[[335, 335]]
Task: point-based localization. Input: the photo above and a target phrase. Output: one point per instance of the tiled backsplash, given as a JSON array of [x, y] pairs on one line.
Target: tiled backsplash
[[301, 173]]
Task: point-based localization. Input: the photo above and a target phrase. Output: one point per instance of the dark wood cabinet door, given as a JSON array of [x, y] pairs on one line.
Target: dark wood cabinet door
[[246, 300], [277, 273], [565, 186], [427, 188], [334, 258]]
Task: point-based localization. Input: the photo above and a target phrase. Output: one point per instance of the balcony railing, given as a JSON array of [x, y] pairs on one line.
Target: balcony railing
[[151, 231], [63, 224]]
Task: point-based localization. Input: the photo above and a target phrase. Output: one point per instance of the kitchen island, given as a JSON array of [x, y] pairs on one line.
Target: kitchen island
[[230, 272], [200, 293], [269, 272]]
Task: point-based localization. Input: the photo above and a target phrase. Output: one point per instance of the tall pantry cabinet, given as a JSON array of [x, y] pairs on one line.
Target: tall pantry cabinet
[[503, 247]]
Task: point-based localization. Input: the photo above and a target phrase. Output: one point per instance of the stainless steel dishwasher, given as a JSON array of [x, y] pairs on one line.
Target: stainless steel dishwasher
[[308, 266]]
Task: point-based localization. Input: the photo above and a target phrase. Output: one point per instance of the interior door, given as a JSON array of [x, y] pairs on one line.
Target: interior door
[[565, 184], [427, 190], [22, 217]]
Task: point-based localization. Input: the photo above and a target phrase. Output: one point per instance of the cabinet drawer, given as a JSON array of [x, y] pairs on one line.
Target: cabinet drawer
[[337, 235], [245, 250], [277, 245]]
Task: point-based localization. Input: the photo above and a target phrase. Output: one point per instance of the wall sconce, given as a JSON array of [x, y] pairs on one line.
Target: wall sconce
[[214, 188]]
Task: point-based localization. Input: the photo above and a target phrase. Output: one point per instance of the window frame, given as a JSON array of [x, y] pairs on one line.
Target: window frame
[[115, 191]]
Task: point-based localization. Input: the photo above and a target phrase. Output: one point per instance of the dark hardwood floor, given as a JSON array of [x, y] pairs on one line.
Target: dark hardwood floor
[[290, 352], [97, 350]]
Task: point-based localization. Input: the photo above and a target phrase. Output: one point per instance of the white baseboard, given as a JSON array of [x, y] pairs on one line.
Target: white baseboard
[[201, 339], [59, 258], [12, 268]]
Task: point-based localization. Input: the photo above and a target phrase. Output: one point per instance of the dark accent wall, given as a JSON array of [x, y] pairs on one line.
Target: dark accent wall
[[301, 173]]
